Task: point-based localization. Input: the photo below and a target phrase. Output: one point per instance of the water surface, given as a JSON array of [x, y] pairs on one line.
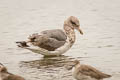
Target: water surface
[[99, 46]]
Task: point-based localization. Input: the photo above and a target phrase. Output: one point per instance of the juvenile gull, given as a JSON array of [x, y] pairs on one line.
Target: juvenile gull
[[86, 72], [53, 42], [5, 75]]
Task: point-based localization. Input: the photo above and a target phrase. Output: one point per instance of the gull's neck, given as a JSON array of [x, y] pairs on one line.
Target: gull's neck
[[70, 33], [75, 69], [78, 65]]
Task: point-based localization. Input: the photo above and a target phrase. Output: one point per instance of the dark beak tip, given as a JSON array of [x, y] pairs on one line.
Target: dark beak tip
[[81, 33]]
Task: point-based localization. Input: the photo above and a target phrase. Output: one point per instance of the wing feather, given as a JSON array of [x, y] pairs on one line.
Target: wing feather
[[92, 72], [49, 39]]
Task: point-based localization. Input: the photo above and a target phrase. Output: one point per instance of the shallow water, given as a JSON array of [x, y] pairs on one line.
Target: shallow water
[[98, 47]]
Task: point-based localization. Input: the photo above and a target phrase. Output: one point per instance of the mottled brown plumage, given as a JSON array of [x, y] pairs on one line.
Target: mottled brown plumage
[[52, 40], [92, 72], [13, 77], [46, 42], [86, 72], [5, 75]]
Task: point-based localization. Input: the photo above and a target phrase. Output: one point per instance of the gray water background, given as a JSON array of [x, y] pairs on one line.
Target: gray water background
[[98, 47]]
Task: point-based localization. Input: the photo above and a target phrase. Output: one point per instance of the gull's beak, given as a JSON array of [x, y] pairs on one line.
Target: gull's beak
[[80, 30]]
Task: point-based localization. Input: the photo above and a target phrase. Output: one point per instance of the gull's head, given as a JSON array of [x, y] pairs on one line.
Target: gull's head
[[74, 23], [2, 68], [72, 64], [76, 62]]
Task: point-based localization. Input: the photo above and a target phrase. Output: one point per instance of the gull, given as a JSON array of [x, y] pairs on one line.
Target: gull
[[86, 72], [53, 42], [5, 75]]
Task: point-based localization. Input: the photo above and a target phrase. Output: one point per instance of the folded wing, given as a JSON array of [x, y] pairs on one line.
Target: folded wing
[[49, 39], [92, 72]]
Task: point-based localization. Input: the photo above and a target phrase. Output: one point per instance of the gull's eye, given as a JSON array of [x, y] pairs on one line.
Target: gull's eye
[[73, 23]]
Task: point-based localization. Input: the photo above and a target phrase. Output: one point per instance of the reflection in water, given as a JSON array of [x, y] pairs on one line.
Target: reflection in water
[[47, 62], [100, 20], [48, 68]]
